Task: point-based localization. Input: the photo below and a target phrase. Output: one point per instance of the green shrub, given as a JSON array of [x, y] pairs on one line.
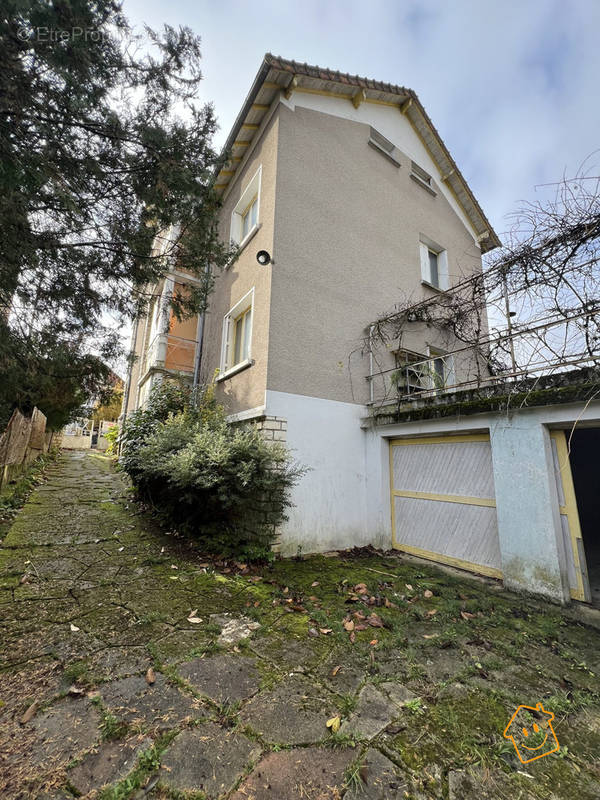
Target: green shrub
[[221, 483], [111, 436]]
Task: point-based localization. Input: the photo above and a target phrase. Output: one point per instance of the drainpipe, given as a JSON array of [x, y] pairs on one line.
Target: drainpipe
[[129, 368], [200, 340]]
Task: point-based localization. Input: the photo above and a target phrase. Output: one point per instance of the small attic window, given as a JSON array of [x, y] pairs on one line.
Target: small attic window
[[419, 175], [379, 142]]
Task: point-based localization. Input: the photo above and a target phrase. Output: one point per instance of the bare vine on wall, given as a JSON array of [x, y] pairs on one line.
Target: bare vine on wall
[[534, 310]]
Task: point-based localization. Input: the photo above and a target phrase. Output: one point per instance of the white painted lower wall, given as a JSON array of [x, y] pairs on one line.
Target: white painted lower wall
[[331, 505]]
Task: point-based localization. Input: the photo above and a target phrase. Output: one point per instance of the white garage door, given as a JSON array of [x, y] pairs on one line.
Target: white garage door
[[443, 502]]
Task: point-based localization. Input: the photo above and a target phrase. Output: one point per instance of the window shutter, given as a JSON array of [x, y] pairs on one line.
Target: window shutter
[[424, 262], [443, 269]]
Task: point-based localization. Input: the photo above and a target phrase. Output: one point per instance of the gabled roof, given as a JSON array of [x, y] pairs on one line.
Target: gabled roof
[[277, 74]]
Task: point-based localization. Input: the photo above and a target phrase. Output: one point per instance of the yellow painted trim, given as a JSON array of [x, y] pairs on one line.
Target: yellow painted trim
[[490, 572], [253, 126], [569, 510], [227, 172], [241, 144], [272, 85], [221, 185], [450, 439], [392, 504], [406, 105], [261, 106], [447, 498], [359, 97], [377, 102], [290, 87]]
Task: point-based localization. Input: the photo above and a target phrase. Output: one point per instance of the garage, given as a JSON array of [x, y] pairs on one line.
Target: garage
[[443, 504]]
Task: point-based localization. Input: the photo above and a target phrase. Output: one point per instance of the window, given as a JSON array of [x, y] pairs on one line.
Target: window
[[237, 335], [441, 369], [420, 173], [241, 336], [245, 215], [434, 264], [250, 218], [379, 142]]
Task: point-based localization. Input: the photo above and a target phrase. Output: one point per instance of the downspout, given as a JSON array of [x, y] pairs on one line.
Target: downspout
[[200, 341], [130, 368]]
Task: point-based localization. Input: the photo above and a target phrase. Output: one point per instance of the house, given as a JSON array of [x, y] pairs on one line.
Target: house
[[345, 203]]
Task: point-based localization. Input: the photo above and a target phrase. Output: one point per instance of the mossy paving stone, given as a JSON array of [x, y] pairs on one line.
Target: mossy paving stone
[[112, 762], [223, 678], [380, 779], [373, 713], [484, 785], [289, 654], [159, 705], [207, 759], [64, 731], [298, 774], [294, 712]]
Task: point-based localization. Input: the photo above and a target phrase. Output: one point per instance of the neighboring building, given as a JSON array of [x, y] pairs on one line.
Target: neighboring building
[[348, 192]]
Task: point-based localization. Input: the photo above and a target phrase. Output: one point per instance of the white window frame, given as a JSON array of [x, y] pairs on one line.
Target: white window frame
[[227, 367], [448, 367], [427, 246], [243, 205]]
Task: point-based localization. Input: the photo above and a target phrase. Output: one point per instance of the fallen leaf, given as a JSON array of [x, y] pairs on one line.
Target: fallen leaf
[[325, 631], [429, 635], [299, 609], [150, 676], [334, 723], [76, 690], [389, 604], [352, 637], [427, 593], [314, 583], [432, 612], [30, 713], [361, 588], [94, 693], [349, 625], [409, 587], [194, 620], [374, 620], [313, 632], [360, 627], [174, 566], [463, 596], [359, 615], [121, 549], [467, 615], [74, 628], [26, 578], [286, 590], [373, 642], [335, 670]]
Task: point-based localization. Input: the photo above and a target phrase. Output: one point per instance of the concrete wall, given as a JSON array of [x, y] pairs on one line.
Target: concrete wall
[[330, 500]]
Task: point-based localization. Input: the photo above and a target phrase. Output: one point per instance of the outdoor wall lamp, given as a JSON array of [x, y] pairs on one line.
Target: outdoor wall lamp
[[263, 258]]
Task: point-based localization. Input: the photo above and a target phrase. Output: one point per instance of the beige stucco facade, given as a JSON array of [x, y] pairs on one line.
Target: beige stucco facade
[[246, 389], [342, 224]]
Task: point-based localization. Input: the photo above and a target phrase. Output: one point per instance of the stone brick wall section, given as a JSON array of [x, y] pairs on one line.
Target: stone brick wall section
[[273, 428]]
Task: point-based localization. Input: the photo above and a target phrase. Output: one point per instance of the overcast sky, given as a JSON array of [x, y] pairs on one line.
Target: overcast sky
[[512, 86]]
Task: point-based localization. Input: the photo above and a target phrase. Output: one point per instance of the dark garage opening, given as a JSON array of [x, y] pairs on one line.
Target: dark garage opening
[[585, 450]]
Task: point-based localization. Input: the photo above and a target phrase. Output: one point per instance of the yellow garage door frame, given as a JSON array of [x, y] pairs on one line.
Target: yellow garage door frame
[[570, 511], [447, 498]]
